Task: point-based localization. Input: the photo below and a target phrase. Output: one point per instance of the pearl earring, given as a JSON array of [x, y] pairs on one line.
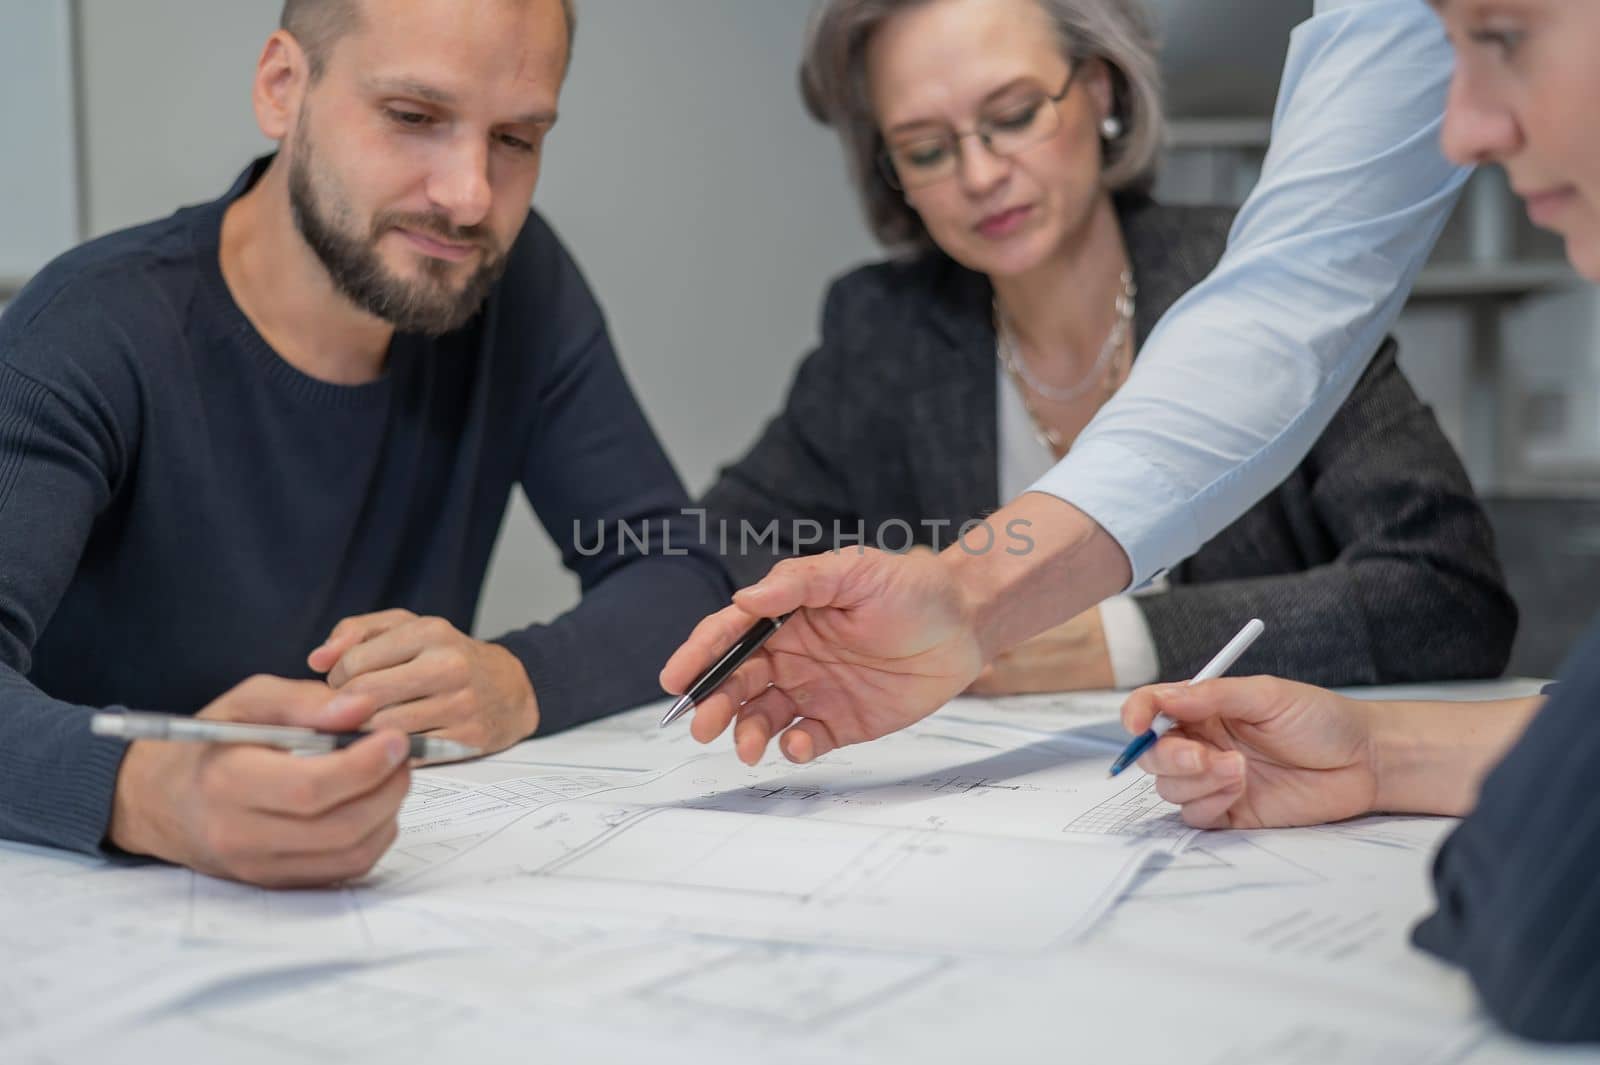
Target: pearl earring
[[1111, 127]]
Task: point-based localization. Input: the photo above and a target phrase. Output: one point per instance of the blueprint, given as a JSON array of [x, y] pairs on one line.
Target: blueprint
[[794, 879], [949, 774], [973, 888]]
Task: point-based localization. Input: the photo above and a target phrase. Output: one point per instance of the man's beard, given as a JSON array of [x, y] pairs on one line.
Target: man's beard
[[426, 305]]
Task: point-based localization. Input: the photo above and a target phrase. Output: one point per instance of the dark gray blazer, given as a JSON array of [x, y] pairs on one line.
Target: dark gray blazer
[[1371, 564]]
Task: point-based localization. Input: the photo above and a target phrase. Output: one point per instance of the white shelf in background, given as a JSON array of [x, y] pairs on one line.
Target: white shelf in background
[[1448, 280]]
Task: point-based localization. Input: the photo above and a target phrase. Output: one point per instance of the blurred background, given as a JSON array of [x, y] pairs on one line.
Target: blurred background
[[709, 214]]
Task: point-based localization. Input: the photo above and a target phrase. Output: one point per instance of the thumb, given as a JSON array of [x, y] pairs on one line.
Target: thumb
[[1249, 699], [296, 703]]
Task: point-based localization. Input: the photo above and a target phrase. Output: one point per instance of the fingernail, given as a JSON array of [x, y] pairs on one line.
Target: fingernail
[[1190, 761], [1172, 693], [398, 748]]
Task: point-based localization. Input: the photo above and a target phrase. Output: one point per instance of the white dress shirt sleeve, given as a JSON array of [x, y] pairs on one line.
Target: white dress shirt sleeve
[[1243, 374]]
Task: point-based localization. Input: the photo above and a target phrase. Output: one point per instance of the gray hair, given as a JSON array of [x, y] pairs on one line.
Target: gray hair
[[833, 82]]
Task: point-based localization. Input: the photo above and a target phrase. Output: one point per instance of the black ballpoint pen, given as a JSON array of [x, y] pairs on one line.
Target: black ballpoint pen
[[712, 679]]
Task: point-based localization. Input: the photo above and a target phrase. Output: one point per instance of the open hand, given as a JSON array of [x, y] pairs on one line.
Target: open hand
[[877, 642]]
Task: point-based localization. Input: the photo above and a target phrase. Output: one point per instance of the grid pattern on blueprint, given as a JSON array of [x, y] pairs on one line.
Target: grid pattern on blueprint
[[1135, 810]]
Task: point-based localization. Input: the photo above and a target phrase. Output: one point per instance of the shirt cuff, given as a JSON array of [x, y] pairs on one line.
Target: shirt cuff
[[1131, 499], [1129, 645]]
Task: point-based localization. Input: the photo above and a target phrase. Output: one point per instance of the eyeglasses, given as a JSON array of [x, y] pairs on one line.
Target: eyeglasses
[[927, 160]]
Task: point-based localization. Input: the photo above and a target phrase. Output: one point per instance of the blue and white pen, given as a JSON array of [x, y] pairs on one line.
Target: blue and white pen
[[1213, 669]]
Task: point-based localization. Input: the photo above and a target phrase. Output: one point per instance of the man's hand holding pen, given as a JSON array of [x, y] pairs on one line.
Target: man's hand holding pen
[[260, 815]]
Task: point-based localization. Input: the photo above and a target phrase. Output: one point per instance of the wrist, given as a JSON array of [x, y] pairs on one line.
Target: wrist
[[132, 828], [1093, 668], [1413, 763], [525, 699], [1044, 562], [530, 714], [1431, 758], [1399, 757], [975, 600]]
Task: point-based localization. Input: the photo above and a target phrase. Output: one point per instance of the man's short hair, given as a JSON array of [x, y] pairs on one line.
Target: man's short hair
[[318, 25]]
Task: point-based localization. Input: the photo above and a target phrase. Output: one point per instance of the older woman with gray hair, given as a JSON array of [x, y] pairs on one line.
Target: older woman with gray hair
[[1004, 151]]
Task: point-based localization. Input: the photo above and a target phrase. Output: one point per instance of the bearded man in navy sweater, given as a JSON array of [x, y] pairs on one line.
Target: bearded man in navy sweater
[[273, 437]]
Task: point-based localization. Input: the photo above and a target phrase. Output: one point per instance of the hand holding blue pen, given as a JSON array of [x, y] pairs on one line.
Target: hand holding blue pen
[[1215, 668]]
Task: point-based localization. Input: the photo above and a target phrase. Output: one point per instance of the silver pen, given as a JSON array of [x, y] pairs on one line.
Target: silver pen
[[141, 725]]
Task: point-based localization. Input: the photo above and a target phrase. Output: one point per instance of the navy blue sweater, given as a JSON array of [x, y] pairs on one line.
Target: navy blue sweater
[[1519, 881], [180, 508]]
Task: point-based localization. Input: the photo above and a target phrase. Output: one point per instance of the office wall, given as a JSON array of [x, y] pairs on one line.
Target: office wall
[[709, 213], [39, 205], [166, 87], [706, 209]]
